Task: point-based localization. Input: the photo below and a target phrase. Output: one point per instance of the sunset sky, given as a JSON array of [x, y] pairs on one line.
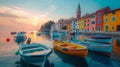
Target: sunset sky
[[31, 14]]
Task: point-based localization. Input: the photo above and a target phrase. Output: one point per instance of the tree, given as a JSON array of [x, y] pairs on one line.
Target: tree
[[64, 28], [47, 26]]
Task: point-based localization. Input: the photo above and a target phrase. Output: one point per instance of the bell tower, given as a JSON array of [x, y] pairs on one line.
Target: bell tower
[[78, 15]]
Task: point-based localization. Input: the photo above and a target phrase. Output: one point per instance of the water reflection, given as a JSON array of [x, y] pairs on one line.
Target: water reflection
[[116, 50], [24, 64], [99, 60], [7, 50], [72, 60]]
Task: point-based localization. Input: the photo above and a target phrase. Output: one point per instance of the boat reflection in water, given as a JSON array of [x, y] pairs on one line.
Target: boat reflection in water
[[72, 60], [116, 50], [95, 59], [24, 64]]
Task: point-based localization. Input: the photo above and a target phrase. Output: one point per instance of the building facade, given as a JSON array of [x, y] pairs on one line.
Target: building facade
[[81, 24], [99, 18], [87, 23], [93, 23], [112, 21]]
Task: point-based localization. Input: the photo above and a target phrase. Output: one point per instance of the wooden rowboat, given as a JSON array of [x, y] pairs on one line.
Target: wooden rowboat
[[34, 53], [70, 48]]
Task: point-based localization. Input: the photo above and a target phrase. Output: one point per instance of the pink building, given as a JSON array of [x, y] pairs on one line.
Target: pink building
[[87, 22], [93, 23]]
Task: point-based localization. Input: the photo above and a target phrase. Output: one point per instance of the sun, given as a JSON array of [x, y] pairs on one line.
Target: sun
[[34, 24], [35, 20]]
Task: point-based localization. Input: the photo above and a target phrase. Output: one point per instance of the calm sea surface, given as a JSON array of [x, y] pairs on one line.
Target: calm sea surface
[[56, 59]]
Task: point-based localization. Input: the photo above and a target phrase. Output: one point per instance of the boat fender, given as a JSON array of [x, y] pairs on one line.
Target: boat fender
[[64, 48]]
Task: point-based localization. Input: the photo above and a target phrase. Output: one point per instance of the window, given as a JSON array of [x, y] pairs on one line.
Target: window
[[113, 18], [106, 19], [98, 28], [93, 22], [93, 16], [99, 21], [88, 20], [106, 28], [112, 27], [99, 15], [88, 24]]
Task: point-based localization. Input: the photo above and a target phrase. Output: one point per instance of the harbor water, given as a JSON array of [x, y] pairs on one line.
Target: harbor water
[[56, 59]]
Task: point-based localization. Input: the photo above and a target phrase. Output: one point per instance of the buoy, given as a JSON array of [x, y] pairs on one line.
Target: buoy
[[7, 39]]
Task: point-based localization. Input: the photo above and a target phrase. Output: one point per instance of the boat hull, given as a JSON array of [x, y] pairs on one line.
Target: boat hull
[[100, 37], [34, 59], [106, 41], [99, 47], [74, 52], [33, 54]]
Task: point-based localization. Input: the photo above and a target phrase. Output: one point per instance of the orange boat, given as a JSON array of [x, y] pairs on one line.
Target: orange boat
[[70, 48]]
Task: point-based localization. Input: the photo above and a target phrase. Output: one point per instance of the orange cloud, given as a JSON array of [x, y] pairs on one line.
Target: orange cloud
[[17, 17]]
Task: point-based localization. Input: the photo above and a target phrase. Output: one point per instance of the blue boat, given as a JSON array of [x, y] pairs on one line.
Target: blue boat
[[105, 41], [99, 36], [93, 46], [55, 34]]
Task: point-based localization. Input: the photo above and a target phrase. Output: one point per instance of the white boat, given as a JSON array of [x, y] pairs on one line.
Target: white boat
[[34, 53], [20, 38], [38, 33], [106, 41], [99, 47]]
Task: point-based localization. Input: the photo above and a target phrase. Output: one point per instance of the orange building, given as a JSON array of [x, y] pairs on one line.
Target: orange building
[[111, 21], [69, 25]]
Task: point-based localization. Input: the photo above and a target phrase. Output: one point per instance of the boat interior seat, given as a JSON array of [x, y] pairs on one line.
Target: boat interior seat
[[71, 46], [63, 44]]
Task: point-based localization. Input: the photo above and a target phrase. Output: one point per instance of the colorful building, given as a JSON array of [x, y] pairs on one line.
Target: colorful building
[[93, 23], [99, 18], [112, 21], [69, 25], [87, 23], [81, 24], [74, 24]]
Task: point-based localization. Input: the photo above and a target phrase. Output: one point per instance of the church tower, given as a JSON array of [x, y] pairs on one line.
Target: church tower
[[78, 16]]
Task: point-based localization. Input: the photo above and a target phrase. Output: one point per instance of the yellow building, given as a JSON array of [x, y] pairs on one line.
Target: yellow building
[[81, 24], [111, 21]]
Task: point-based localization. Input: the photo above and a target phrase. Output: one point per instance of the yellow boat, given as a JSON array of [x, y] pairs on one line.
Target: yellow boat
[[70, 48]]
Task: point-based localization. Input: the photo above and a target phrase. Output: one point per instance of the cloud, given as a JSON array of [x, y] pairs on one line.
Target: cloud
[[13, 12], [50, 10], [16, 16]]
